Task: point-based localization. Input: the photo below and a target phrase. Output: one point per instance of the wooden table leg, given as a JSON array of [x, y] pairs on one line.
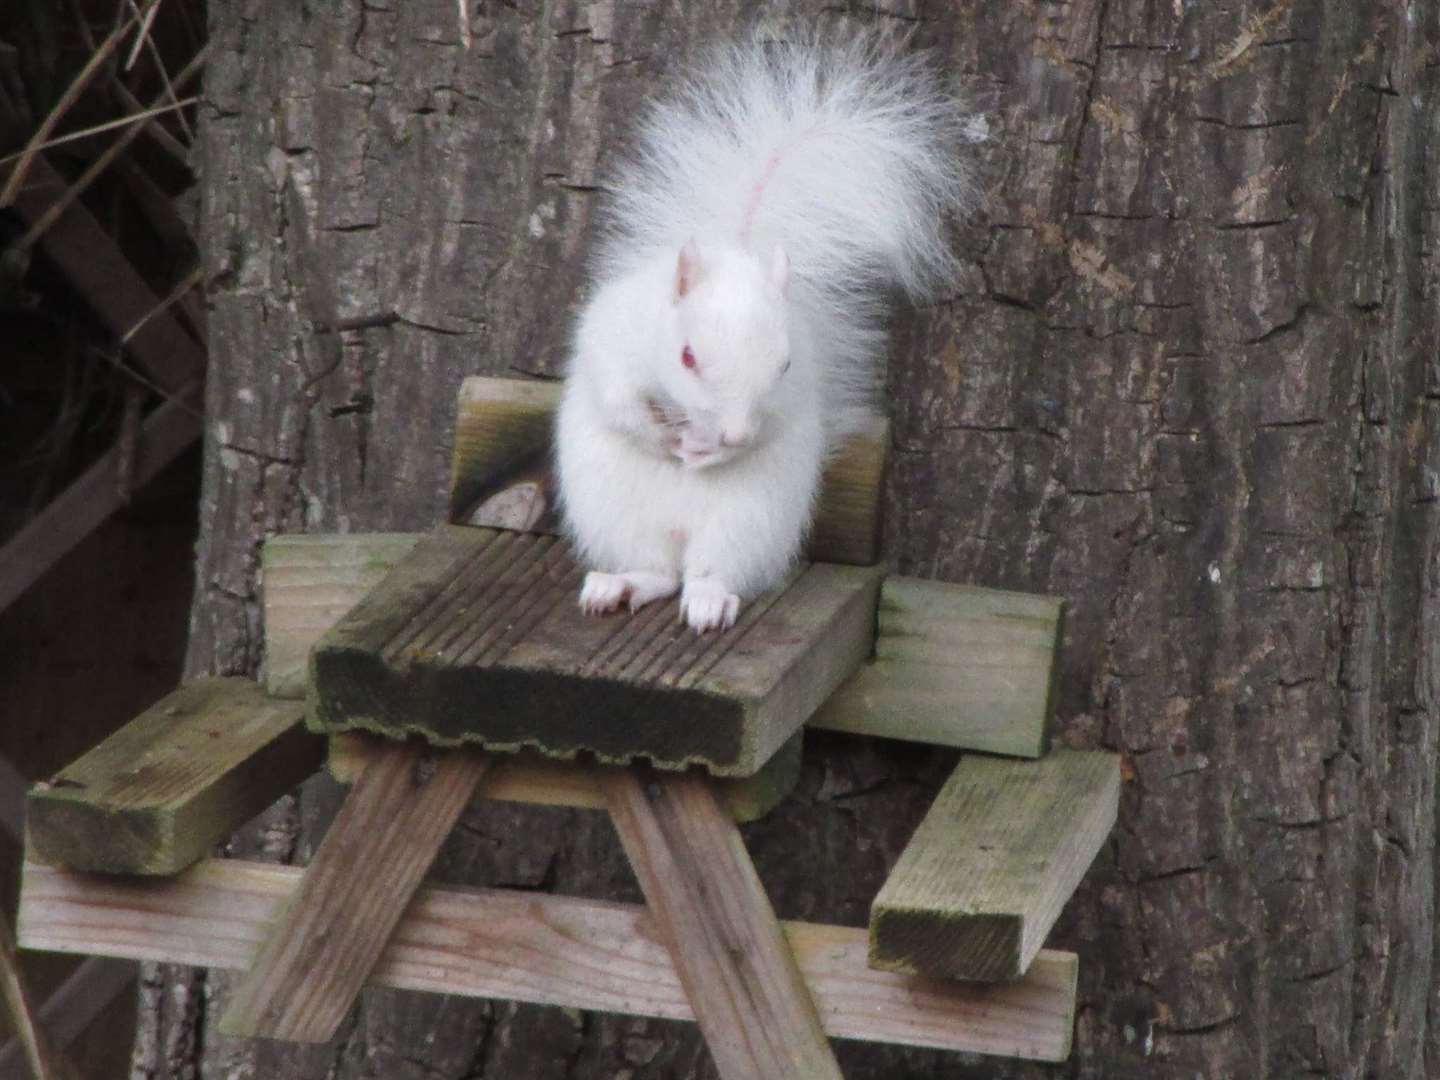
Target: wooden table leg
[[747, 992], [313, 962]]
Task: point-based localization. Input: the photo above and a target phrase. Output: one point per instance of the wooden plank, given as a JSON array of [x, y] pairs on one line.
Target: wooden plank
[[847, 519], [739, 974], [308, 583], [43, 1059], [983, 879], [476, 637], [167, 787], [166, 433], [955, 665], [499, 471], [101, 273], [978, 678], [502, 426], [72, 1008], [551, 950], [528, 777], [323, 946]]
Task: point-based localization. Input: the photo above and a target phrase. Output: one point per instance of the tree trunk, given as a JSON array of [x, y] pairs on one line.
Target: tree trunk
[[1187, 382]]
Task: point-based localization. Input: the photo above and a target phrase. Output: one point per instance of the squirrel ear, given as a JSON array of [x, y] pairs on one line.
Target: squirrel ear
[[687, 269], [779, 275]]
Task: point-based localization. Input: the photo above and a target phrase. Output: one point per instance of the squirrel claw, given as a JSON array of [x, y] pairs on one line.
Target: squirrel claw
[[602, 593], [708, 605]]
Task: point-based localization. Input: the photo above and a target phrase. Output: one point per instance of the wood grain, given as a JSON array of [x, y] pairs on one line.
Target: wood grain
[[534, 947], [955, 665], [748, 994], [992, 864], [167, 787], [475, 636], [500, 469], [321, 950], [308, 583], [528, 777]]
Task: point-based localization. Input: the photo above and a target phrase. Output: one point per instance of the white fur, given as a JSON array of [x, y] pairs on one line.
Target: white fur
[[766, 210]]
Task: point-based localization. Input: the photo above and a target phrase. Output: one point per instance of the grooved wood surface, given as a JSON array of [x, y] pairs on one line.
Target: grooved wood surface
[[179, 778], [475, 636], [321, 949], [737, 969], [527, 777], [992, 864], [551, 950]]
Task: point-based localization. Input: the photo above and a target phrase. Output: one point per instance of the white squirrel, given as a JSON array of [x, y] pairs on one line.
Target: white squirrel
[[735, 329]]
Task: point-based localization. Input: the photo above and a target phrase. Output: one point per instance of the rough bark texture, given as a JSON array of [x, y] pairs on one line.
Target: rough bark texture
[[1188, 381]]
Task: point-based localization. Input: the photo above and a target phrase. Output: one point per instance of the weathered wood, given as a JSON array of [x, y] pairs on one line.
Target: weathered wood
[[501, 466], [955, 665], [43, 1058], [848, 515], [528, 777], [502, 426], [321, 948], [476, 637], [86, 993], [101, 272], [308, 583], [748, 994], [166, 433], [534, 947], [167, 787], [983, 879], [163, 350]]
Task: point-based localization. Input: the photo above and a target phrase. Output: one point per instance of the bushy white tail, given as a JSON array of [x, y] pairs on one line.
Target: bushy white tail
[[846, 154]]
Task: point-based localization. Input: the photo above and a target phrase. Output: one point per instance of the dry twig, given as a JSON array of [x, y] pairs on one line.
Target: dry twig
[[72, 93], [101, 163]]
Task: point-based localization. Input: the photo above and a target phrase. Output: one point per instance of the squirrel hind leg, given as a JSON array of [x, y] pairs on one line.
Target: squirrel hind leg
[[604, 593]]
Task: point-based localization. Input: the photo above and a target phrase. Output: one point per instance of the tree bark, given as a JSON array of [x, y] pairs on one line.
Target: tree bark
[[1188, 382]]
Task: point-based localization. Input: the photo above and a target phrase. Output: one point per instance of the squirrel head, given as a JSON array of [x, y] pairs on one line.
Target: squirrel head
[[725, 358]]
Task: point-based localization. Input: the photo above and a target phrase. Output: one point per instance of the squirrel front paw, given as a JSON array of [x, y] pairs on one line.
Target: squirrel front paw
[[706, 604], [604, 593]]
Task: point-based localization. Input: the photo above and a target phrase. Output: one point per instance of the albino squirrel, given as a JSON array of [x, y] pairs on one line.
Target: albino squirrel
[[735, 328]]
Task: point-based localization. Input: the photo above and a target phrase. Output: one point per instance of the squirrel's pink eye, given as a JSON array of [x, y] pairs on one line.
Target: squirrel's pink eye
[[687, 357]]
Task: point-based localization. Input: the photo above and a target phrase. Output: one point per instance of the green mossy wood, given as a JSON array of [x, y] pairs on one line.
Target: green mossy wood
[[983, 879], [955, 665], [476, 637], [528, 777], [178, 779]]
